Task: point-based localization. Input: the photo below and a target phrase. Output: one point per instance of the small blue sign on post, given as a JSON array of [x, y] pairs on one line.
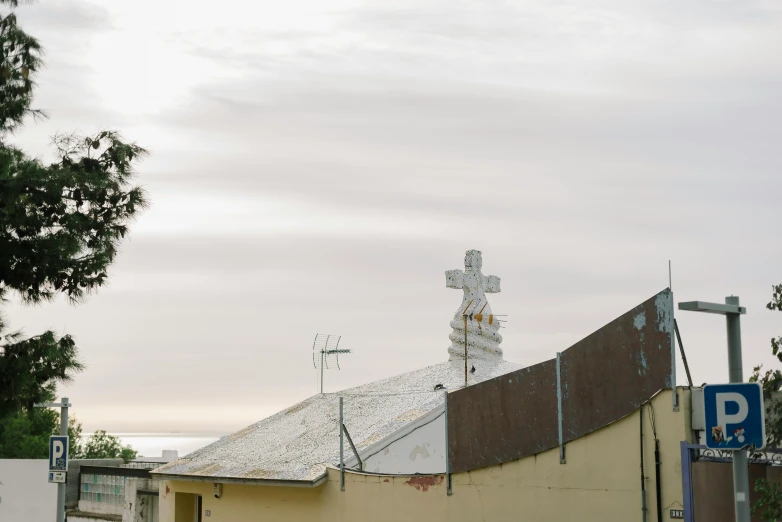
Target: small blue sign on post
[[735, 416], [58, 453]]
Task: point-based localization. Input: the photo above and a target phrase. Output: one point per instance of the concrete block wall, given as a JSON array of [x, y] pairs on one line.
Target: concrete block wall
[[74, 467]]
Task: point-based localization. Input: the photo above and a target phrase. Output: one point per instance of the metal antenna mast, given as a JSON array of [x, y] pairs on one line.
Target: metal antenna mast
[[478, 317], [325, 353], [464, 315]]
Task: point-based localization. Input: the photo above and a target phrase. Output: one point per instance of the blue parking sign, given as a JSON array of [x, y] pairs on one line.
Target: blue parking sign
[[58, 453], [735, 415]]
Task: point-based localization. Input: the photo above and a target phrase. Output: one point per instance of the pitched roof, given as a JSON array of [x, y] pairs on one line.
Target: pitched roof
[[296, 444]]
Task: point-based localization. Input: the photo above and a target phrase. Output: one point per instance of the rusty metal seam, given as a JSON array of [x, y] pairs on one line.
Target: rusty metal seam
[[559, 409]]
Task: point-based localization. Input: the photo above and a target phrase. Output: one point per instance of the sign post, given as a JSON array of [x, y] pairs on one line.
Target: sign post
[[58, 454], [732, 312]]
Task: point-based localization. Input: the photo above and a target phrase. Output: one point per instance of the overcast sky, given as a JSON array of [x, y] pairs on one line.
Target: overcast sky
[[316, 165]]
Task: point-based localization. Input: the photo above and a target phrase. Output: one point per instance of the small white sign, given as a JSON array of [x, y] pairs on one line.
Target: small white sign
[[677, 513], [740, 496], [57, 477]]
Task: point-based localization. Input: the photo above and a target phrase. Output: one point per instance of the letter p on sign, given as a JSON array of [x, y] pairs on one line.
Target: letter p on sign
[[58, 448], [58, 453], [723, 418], [734, 416]]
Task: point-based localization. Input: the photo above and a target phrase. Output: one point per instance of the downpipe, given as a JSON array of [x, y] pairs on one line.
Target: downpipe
[[657, 478], [643, 478]]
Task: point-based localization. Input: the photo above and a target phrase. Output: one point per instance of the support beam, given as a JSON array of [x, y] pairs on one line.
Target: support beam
[[681, 349], [355, 452]]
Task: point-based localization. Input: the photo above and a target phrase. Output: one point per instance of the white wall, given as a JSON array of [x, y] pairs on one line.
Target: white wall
[[140, 508], [420, 451], [26, 493]]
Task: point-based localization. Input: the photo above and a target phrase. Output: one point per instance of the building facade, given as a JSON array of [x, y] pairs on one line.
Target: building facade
[[592, 434], [600, 481]]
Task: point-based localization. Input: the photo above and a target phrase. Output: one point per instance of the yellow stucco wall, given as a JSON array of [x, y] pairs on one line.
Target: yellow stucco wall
[[600, 482]]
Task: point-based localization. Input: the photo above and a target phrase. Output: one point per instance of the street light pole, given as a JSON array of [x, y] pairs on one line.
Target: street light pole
[[732, 312], [736, 374], [735, 364], [61, 486], [63, 405]]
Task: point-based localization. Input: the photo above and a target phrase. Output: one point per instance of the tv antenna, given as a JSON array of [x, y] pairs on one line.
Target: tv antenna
[[325, 353]]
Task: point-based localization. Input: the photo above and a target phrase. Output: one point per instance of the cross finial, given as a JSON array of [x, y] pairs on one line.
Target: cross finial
[[483, 339]]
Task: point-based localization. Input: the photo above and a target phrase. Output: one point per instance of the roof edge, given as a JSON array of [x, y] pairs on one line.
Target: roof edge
[[394, 436], [247, 481]]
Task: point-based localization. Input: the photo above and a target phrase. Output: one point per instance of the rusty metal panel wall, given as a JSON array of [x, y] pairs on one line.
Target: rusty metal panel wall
[[610, 373], [712, 490], [604, 377], [490, 416], [773, 474]]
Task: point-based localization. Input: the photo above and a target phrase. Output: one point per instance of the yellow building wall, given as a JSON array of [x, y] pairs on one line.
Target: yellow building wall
[[601, 481], [185, 505]]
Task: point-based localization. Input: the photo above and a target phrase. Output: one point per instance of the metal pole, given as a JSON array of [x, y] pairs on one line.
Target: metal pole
[[675, 394], [559, 411], [449, 492], [735, 365], [658, 491], [736, 374], [465, 350], [323, 360], [341, 451], [643, 476], [61, 486]]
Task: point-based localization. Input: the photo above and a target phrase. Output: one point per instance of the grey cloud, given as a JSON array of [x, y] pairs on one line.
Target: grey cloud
[[578, 189], [66, 16], [457, 137], [66, 30]]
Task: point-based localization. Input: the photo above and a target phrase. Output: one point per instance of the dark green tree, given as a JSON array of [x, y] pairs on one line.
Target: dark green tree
[[776, 304], [25, 434], [769, 503], [101, 445], [60, 224]]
